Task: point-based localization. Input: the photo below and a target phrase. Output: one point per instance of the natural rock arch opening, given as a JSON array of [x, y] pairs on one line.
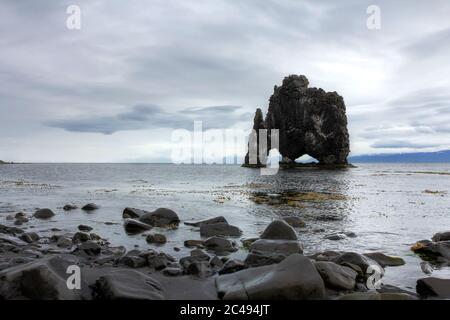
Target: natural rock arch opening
[[306, 158]]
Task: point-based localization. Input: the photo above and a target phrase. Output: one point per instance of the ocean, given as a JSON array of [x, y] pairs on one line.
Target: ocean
[[387, 206]]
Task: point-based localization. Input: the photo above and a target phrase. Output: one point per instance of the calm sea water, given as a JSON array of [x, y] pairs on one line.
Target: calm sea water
[[384, 204]]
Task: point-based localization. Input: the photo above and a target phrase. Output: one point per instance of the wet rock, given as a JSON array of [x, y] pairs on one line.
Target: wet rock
[[280, 281], [134, 226], [185, 262], [156, 238], [370, 295], [426, 267], [284, 247], [12, 240], [433, 287], [29, 237], [326, 255], [219, 229], [127, 285], [15, 231], [69, 207], [358, 262], [220, 245], [294, 222], [215, 262], [335, 237], [432, 250], [159, 261], [266, 252], [200, 254], [279, 230], [10, 230], [90, 207], [20, 215], [200, 269], [20, 221], [336, 276], [257, 260], [172, 272], [85, 228], [43, 279], [351, 234], [64, 242], [133, 213], [248, 242], [133, 260], [384, 260], [232, 265], [441, 236], [310, 121], [161, 217], [193, 244], [89, 248], [3, 266], [81, 237], [219, 219], [387, 288], [43, 214]]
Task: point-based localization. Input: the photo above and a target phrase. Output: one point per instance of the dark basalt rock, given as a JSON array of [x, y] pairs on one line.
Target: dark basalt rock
[[161, 217], [127, 285], [310, 121], [90, 207], [433, 287], [43, 214]]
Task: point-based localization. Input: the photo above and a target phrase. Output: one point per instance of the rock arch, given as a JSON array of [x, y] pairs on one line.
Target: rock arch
[[310, 121]]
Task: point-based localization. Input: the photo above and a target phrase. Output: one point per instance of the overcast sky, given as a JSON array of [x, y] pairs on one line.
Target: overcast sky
[[114, 90]]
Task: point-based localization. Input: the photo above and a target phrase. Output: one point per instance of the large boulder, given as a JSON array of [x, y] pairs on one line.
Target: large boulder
[[295, 222], [265, 252], [90, 207], [43, 279], [219, 219], [127, 285], [358, 262], [43, 214], [441, 236], [310, 121], [219, 229], [133, 213], [385, 260], [285, 247], [133, 226], [433, 287], [220, 245], [294, 278], [336, 276], [279, 230], [433, 250], [161, 217]]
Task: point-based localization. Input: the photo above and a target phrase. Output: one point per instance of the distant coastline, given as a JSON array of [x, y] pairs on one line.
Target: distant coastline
[[415, 157]]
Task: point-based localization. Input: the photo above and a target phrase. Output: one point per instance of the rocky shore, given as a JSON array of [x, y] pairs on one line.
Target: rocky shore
[[33, 266]]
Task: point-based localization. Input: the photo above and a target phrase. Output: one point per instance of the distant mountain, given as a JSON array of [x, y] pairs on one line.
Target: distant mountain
[[2, 162], [438, 156]]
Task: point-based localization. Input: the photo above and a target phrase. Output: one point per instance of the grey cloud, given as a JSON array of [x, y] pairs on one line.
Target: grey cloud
[[151, 117], [397, 144], [217, 53]]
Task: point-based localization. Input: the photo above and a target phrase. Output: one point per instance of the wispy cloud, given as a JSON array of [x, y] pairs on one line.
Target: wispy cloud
[[154, 117]]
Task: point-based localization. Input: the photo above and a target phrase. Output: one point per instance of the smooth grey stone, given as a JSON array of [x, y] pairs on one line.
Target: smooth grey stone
[[292, 279], [127, 285], [279, 230]]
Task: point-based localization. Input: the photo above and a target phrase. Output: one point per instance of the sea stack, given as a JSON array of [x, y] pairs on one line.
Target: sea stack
[[310, 121]]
